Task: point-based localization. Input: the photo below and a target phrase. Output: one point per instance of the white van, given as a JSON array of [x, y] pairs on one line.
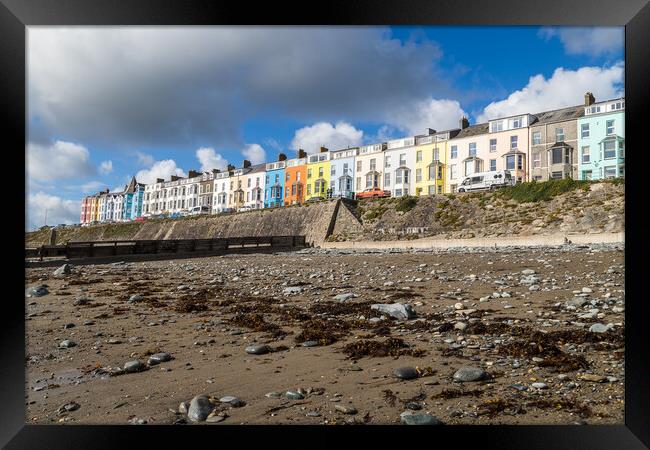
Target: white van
[[486, 180], [200, 210]]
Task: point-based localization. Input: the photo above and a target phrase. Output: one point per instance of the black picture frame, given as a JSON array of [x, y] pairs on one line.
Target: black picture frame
[[16, 15]]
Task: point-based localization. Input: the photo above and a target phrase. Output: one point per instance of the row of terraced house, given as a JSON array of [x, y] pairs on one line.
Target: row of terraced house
[[585, 142]]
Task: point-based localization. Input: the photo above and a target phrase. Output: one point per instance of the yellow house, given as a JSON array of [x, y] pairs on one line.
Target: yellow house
[[94, 208], [431, 162], [318, 174]]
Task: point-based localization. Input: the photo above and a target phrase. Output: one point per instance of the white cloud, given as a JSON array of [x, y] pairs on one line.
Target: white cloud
[[415, 117], [177, 85], [593, 41], [106, 167], [58, 210], [92, 187], [61, 160], [255, 153], [209, 159], [160, 169], [334, 137], [145, 159], [563, 89]]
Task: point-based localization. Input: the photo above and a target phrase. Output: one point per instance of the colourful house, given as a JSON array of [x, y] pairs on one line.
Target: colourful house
[[431, 168], [318, 175], [342, 172], [369, 167], [295, 179], [275, 183], [601, 141], [399, 162]]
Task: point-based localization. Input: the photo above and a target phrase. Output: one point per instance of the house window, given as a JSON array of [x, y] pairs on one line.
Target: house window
[[454, 152], [497, 126], [513, 142], [439, 189], [510, 163], [610, 172], [537, 159], [436, 154], [584, 130], [453, 187], [308, 173], [493, 164], [398, 177], [345, 169], [359, 166], [333, 170], [585, 154], [556, 156], [249, 182], [587, 175], [358, 183], [493, 145], [320, 172], [298, 176], [472, 149], [370, 181], [453, 171], [432, 189], [309, 189], [609, 148], [418, 175], [559, 135], [287, 177], [469, 167], [537, 138], [387, 180], [609, 127], [402, 159], [418, 156], [373, 164], [556, 175], [520, 162], [516, 122]]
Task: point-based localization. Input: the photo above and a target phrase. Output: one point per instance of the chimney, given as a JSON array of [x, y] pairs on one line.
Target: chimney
[[193, 174], [246, 164], [324, 149], [589, 99], [282, 157], [429, 131], [302, 153], [175, 177], [216, 170], [464, 122], [231, 168]]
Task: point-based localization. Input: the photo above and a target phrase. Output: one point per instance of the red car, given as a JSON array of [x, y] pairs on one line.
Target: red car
[[373, 193], [140, 219]]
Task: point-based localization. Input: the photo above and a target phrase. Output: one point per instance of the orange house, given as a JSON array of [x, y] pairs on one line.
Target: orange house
[[295, 179]]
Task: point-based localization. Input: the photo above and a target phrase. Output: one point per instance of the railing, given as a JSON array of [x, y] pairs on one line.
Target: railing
[[143, 247]]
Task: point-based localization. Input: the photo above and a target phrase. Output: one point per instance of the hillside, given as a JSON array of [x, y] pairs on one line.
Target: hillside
[[557, 206]]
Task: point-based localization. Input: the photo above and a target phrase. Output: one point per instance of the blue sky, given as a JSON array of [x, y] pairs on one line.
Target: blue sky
[[105, 104]]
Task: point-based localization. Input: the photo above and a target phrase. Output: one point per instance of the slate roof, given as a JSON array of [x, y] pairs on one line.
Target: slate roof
[[559, 115], [472, 130]]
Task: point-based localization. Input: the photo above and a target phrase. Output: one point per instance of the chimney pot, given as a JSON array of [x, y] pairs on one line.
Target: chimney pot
[[589, 99], [246, 164], [282, 157], [302, 153], [430, 131], [464, 122], [323, 149]]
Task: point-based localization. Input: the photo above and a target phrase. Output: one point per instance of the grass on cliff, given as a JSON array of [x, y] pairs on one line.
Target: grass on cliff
[[407, 203], [535, 191]]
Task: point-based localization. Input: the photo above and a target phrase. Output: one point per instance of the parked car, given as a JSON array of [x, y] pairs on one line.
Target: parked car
[[482, 181], [373, 193], [227, 210], [200, 210], [245, 208], [140, 219]]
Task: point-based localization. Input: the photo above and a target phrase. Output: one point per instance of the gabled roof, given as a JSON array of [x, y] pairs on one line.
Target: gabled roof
[[472, 130], [558, 115]]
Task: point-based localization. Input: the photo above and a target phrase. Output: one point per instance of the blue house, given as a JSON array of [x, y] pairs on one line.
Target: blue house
[[274, 186], [133, 196], [601, 141], [342, 172]]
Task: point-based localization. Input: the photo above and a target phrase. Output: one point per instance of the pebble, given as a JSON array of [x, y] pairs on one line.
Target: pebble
[[135, 298], [461, 326], [132, 366], [63, 271], [528, 271], [294, 395], [309, 344], [413, 406], [344, 297], [257, 349], [200, 408], [313, 414], [410, 418], [292, 290], [405, 373], [158, 358], [273, 395], [399, 311], [36, 291], [465, 374], [233, 401], [67, 343], [539, 385], [600, 328], [346, 409]]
